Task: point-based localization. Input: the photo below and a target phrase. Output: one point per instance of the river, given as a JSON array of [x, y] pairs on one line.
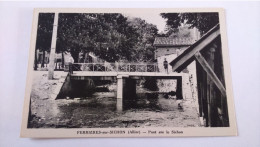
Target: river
[[104, 110]]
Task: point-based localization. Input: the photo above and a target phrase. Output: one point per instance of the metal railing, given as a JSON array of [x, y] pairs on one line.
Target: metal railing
[[112, 67]]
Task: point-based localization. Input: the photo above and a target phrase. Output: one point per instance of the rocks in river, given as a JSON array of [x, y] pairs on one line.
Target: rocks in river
[[77, 98], [147, 124], [46, 86], [154, 119], [166, 85]]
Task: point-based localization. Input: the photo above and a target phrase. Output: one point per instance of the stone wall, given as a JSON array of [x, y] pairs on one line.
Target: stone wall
[[164, 51], [166, 85], [189, 81]]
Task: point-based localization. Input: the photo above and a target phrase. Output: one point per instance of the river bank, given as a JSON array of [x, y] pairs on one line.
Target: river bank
[[100, 110]]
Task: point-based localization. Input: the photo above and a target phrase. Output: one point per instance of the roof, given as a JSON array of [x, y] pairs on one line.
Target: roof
[[170, 41]]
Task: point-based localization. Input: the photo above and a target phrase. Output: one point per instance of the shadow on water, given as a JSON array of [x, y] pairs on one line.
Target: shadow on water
[[97, 110], [88, 111], [91, 106], [142, 101]]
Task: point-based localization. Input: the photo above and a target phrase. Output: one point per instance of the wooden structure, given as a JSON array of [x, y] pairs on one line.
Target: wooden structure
[[212, 99]]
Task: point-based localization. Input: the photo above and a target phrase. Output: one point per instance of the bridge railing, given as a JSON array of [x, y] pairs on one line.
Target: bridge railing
[[112, 67]]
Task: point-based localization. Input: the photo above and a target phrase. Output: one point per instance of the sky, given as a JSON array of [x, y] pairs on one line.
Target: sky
[[150, 17]]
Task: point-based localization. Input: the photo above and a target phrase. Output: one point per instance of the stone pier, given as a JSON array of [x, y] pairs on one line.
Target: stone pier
[[126, 86], [120, 85]]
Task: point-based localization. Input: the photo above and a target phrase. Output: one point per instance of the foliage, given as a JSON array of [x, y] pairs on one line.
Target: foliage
[[107, 35], [44, 31], [143, 50], [44, 35], [203, 21], [110, 36]]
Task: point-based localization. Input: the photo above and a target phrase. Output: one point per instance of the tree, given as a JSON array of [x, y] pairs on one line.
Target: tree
[[108, 35], [143, 50], [202, 21], [44, 35]]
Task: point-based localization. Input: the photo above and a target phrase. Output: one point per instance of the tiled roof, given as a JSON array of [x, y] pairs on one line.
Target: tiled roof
[[169, 41]]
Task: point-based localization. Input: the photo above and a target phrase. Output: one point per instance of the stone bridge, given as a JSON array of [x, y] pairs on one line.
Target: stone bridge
[[125, 74]]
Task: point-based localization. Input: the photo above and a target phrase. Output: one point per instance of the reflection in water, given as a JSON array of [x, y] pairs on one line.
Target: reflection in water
[[98, 110], [119, 105], [142, 101], [147, 101]]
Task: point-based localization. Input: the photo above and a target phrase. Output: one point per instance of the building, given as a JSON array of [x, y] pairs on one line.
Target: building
[[172, 46], [89, 57], [43, 58]]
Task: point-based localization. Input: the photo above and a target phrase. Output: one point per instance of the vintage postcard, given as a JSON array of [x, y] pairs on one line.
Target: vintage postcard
[[128, 73]]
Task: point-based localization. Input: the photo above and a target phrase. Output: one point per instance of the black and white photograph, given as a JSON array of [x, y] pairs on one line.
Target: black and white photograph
[[129, 73]]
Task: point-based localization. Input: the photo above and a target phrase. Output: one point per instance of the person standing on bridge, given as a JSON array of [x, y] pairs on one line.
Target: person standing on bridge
[[71, 61], [165, 64]]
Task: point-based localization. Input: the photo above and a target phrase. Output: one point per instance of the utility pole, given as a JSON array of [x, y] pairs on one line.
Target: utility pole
[[53, 47]]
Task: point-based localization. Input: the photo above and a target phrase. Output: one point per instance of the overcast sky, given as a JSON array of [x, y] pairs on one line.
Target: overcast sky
[[150, 17]]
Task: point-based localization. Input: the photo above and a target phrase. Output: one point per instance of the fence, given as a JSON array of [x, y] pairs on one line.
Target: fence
[[112, 67]]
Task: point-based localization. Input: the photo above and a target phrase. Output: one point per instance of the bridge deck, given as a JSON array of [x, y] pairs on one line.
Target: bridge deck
[[111, 74]]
